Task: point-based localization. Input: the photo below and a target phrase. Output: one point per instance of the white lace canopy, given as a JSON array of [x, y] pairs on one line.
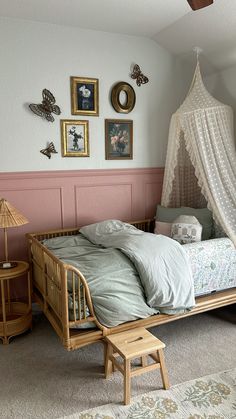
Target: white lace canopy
[[201, 159]]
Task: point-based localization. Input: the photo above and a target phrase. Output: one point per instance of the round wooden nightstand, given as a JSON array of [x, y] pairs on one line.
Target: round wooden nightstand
[[15, 314]]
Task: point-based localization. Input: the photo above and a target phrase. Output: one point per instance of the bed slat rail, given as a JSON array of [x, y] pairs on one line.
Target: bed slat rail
[[80, 307], [62, 291], [48, 278]]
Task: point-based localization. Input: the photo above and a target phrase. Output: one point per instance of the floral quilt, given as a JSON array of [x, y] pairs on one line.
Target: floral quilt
[[213, 265]]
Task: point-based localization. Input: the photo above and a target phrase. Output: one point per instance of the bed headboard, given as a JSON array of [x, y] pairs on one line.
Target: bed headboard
[[144, 225]]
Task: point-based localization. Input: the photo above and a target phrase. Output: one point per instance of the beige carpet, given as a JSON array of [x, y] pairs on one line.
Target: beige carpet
[[210, 397], [40, 379]]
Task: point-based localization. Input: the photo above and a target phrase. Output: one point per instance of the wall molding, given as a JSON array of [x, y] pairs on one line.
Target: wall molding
[[61, 199], [79, 173]]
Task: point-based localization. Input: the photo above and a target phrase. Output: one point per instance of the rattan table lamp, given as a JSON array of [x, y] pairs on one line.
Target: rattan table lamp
[[9, 217]]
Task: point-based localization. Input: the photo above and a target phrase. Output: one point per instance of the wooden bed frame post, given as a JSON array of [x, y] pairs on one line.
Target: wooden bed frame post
[[65, 309]]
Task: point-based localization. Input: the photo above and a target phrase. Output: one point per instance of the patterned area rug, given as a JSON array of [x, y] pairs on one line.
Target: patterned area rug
[[210, 397]]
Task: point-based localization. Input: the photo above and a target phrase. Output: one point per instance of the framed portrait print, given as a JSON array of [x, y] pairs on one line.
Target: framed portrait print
[[74, 138], [118, 139], [84, 96]]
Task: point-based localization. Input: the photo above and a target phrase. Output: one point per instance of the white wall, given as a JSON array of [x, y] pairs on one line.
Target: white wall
[[223, 86], [34, 56]]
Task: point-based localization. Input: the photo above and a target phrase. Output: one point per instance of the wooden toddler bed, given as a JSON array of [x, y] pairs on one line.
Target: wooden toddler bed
[[50, 289]]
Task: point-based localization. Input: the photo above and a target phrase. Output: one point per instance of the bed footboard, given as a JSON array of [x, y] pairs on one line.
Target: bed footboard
[[62, 291], [71, 311]]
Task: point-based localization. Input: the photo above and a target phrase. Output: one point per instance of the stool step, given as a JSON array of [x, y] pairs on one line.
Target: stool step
[[138, 343]]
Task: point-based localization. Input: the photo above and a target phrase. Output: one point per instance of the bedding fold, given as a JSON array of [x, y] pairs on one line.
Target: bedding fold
[[115, 287], [162, 264]]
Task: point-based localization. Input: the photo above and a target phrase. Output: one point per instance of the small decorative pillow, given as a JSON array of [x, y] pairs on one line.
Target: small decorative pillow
[[163, 228], [186, 229], [203, 215]]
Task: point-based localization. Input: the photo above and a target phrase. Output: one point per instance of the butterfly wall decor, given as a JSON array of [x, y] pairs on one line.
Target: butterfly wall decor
[[138, 75], [48, 150], [47, 107]]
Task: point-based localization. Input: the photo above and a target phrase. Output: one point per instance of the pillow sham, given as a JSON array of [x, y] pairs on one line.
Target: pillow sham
[[186, 229], [203, 215], [163, 228]]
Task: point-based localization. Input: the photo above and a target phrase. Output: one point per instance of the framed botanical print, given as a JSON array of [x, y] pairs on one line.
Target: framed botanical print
[[118, 139], [84, 96], [74, 138]]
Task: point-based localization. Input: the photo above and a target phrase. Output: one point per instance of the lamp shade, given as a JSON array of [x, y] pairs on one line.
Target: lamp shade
[[10, 216]]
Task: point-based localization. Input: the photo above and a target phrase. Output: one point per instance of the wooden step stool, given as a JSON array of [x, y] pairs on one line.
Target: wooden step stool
[[137, 343]]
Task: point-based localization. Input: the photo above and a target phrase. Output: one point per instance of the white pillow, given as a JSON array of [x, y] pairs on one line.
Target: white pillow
[[186, 229], [97, 232]]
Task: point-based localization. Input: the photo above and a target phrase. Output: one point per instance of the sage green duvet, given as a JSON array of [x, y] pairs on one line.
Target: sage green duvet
[[131, 274]]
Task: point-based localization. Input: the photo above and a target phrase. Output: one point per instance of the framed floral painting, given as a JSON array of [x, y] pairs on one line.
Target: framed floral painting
[[74, 138], [118, 139], [84, 96]]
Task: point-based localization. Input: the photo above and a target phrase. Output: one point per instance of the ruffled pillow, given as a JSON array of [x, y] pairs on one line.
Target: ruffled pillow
[[203, 215]]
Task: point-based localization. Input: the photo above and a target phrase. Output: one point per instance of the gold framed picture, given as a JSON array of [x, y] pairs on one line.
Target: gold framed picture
[[118, 139], [74, 138], [84, 96]]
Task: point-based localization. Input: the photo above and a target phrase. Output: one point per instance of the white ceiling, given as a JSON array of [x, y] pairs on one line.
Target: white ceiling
[[171, 23]]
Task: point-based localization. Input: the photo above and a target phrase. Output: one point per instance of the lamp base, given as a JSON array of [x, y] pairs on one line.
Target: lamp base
[[8, 265]]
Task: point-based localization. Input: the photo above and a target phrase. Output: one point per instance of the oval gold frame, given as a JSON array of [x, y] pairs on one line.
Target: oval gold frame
[[130, 97]]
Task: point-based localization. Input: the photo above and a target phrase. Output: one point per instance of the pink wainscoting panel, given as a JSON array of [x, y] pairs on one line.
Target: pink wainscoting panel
[[42, 207], [61, 199], [103, 202], [153, 196]]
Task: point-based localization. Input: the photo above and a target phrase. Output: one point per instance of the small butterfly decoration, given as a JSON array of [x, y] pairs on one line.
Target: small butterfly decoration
[[50, 149], [138, 75], [47, 107]]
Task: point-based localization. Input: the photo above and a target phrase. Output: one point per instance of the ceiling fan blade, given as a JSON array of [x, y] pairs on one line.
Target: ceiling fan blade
[[199, 4]]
